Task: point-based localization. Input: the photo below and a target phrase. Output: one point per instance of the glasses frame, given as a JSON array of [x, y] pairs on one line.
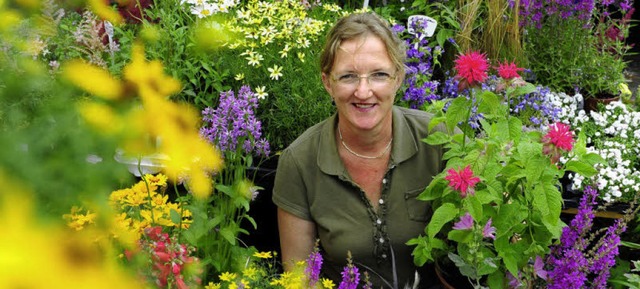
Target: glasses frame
[[367, 76]]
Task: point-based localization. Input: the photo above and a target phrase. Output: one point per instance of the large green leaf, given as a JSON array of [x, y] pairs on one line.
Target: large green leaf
[[441, 216], [438, 138]]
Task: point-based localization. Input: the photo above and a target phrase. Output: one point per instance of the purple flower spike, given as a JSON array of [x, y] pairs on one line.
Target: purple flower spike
[[314, 264], [350, 277], [465, 223]]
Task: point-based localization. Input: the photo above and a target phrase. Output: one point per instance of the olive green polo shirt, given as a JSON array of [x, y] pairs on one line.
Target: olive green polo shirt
[[312, 183]]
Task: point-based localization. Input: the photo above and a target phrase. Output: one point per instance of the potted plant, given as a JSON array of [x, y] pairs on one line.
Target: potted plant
[[592, 62], [497, 204]]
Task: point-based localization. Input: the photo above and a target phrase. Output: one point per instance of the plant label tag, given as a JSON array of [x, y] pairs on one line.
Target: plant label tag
[[422, 22]]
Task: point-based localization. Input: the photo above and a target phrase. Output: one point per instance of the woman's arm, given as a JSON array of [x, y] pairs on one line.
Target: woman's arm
[[297, 238]]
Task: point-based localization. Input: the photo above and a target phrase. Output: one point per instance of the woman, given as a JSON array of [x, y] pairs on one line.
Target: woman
[[351, 180]]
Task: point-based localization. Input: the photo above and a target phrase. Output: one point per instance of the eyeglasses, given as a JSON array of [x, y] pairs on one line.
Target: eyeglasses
[[375, 79]]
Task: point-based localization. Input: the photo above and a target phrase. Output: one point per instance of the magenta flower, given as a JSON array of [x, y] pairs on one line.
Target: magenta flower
[[472, 68], [314, 264], [462, 181], [560, 135], [508, 70], [465, 223], [350, 277], [489, 231]]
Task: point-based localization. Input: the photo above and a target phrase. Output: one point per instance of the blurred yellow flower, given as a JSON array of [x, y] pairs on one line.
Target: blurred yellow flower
[[93, 79], [212, 285], [263, 255], [228, 277], [327, 283], [100, 8], [35, 255], [239, 76]]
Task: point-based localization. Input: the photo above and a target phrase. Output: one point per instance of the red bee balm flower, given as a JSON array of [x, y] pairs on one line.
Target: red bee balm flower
[[462, 181], [508, 70], [560, 135], [472, 67]]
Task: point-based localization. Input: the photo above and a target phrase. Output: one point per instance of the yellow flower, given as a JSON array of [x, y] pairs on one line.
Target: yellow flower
[[61, 258], [301, 56], [93, 79], [228, 277], [263, 255], [239, 76], [275, 72], [212, 285], [100, 8], [327, 283], [250, 273]]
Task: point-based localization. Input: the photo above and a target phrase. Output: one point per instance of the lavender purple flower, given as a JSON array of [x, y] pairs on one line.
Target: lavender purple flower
[[489, 231], [350, 275], [233, 125], [314, 264], [575, 260], [465, 223]]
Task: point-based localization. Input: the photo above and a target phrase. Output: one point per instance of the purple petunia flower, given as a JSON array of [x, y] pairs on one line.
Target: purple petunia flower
[[465, 223]]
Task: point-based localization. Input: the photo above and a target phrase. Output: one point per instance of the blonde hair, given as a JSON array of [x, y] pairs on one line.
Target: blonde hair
[[361, 25]]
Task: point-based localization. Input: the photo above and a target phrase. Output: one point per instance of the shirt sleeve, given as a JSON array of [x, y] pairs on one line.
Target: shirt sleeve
[[289, 190]]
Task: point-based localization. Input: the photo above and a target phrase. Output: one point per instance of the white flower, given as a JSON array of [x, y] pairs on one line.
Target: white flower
[[254, 58], [275, 72], [260, 92]]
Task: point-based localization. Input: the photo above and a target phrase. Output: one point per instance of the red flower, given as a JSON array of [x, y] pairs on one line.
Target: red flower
[[462, 181], [559, 135], [508, 70], [472, 68]]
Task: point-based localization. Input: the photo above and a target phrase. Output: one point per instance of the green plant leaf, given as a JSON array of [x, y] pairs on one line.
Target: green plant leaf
[[438, 138], [457, 112], [229, 234], [441, 216], [582, 168], [175, 216], [460, 236], [474, 207]]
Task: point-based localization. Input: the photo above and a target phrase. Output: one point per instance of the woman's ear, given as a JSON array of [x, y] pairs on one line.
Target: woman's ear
[[326, 81]]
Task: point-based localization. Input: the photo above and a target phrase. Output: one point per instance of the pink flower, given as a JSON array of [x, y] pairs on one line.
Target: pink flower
[[489, 231], [508, 70], [465, 223], [462, 181], [472, 68], [560, 135], [538, 268]]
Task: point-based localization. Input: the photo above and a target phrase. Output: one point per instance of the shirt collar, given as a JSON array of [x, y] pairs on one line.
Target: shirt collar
[[404, 144]]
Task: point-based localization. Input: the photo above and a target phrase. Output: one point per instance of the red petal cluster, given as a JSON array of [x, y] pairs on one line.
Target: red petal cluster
[[462, 180], [472, 67], [508, 70]]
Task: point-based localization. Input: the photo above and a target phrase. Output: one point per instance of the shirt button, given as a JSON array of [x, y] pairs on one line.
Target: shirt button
[[381, 240], [384, 256], [381, 201], [378, 221], [384, 181]]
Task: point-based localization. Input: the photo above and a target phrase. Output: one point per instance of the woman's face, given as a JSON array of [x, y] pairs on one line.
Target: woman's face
[[363, 83]]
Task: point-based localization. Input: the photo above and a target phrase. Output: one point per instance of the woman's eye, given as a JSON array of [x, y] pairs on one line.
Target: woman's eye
[[380, 75], [348, 77]]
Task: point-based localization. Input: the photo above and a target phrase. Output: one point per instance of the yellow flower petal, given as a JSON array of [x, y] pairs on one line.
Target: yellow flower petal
[[93, 79]]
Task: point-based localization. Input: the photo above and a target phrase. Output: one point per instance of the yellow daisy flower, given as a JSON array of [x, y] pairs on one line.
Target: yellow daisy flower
[[263, 255]]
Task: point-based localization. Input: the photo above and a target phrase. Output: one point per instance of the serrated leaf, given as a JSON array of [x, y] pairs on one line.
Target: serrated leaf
[[441, 216], [438, 138], [581, 168]]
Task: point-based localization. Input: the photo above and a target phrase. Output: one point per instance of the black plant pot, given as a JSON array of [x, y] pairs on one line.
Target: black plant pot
[[263, 210]]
